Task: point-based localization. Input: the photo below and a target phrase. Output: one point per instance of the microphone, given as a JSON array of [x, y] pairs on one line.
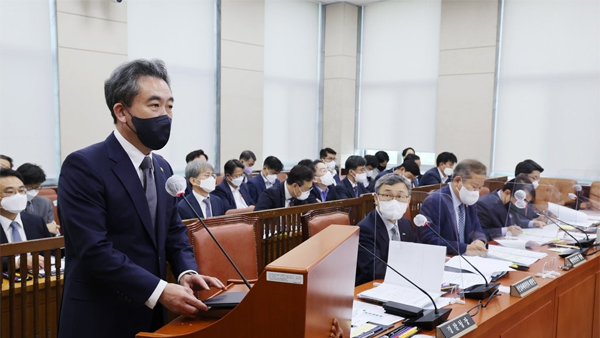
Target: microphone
[[175, 186], [577, 188], [580, 243], [428, 320], [479, 291], [576, 197]]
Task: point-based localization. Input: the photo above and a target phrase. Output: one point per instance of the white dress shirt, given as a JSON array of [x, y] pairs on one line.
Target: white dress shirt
[[8, 231], [237, 195], [200, 200], [390, 226]]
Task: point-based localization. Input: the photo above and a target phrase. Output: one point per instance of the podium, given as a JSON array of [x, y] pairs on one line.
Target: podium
[[301, 294]]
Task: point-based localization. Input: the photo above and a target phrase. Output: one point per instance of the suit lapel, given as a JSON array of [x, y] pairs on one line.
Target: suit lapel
[[382, 232], [195, 204], [447, 196], [161, 199]]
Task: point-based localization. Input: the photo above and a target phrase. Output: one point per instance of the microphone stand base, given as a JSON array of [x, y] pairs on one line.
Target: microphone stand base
[[430, 320], [480, 291], [586, 243]]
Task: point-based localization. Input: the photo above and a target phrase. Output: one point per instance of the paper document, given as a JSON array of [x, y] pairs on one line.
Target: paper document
[[518, 252], [521, 257], [515, 243], [567, 214], [487, 266], [464, 280], [399, 294], [364, 312]]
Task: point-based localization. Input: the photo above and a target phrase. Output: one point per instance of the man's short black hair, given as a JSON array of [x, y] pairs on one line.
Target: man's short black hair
[[323, 153], [382, 156], [32, 174], [411, 167], [230, 166], [246, 155], [354, 162], [273, 163], [412, 157], [406, 150], [194, 155], [300, 174], [371, 161], [10, 160], [527, 167], [10, 172], [521, 182], [445, 157], [306, 162]]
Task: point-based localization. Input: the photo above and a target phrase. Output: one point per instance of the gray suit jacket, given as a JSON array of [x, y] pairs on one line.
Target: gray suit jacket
[[41, 206]]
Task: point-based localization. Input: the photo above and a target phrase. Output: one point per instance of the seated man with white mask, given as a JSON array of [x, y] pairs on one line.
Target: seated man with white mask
[[382, 225], [33, 177], [200, 175], [267, 177], [452, 212], [293, 192], [323, 184], [233, 191], [352, 186], [328, 156], [442, 172]]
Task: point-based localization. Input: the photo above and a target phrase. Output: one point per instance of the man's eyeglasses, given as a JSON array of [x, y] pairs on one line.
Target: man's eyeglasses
[[386, 197], [481, 305]]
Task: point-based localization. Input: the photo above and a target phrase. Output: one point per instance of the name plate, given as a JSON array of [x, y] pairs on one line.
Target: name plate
[[574, 259], [456, 327], [523, 287]]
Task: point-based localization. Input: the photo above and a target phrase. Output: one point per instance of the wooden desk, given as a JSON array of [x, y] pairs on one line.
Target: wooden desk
[[565, 307]]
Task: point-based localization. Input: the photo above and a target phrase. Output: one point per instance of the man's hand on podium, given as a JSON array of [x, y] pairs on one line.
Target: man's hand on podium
[[197, 282]]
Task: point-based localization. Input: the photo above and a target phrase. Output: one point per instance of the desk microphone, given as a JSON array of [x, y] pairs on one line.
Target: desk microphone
[[428, 320], [175, 186], [577, 188], [580, 243], [479, 291], [578, 198]]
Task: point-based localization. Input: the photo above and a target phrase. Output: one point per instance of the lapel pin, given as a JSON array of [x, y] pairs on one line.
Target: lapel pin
[[161, 170]]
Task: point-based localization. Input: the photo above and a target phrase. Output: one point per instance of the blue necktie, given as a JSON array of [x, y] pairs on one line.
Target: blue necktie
[[208, 212], [461, 223], [150, 187], [15, 232]]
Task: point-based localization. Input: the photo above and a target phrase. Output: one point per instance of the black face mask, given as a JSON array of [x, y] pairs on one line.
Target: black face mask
[[153, 132], [381, 168]]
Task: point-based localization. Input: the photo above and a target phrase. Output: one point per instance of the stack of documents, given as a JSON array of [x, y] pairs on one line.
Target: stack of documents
[[487, 266], [364, 312], [518, 256]]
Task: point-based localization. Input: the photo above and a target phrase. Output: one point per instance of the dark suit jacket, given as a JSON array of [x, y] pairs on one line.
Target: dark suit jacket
[[431, 176], [438, 207], [224, 193], [315, 194], [380, 175], [41, 206], [274, 198], [115, 256], [345, 190], [374, 236], [34, 227], [257, 185], [185, 212]]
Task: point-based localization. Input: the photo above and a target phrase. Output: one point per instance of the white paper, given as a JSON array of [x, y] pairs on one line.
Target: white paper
[[518, 252], [567, 214], [487, 266], [549, 231], [464, 280], [512, 243], [364, 312], [400, 294]]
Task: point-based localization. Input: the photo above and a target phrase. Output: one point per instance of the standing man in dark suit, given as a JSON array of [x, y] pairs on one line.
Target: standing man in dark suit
[[323, 184], [453, 212], [351, 186], [18, 226], [120, 225], [294, 191], [442, 172], [200, 175], [267, 178], [232, 190], [384, 224], [33, 177]]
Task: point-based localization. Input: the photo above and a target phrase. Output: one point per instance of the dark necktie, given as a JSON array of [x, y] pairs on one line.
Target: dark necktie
[[15, 232], [395, 233], [292, 201], [355, 191], [30, 209], [461, 223], [149, 186], [208, 212]]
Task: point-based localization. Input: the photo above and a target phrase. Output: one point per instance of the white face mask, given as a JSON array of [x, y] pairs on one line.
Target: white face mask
[[327, 179], [238, 181], [15, 203], [468, 197], [247, 170], [361, 177], [330, 165], [208, 184], [272, 178], [448, 171], [535, 183], [392, 210], [303, 195], [369, 173], [32, 193]]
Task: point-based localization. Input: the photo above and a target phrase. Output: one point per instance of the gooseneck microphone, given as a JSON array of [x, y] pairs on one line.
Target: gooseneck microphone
[[479, 291], [175, 186], [580, 243], [583, 199], [428, 320]]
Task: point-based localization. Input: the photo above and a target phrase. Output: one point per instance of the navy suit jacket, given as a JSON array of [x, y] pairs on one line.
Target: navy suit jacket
[[115, 256], [494, 215], [431, 176], [380, 175], [274, 198], [257, 185], [315, 194], [345, 189], [223, 191], [185, 212], [374, 236], [438, 207], [34, 227]]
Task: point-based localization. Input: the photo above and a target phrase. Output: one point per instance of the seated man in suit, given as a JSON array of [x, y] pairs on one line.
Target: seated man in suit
[[352, 186], [408, 169], [247, 158], [371, 165], [6, 162], [442, 172], [452, 212], [200, 175], [267, 178], [383, 158], [192, 156], [294, 191], [33, 177], [18, 226], [323, 184], [328, 156], [531, 169], [232, 190], [500, 212], [382, 225], [415, 158]]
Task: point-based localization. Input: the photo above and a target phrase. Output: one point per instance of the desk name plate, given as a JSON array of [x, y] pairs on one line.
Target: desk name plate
[[574, 259], [523, 287], [456, 327]]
